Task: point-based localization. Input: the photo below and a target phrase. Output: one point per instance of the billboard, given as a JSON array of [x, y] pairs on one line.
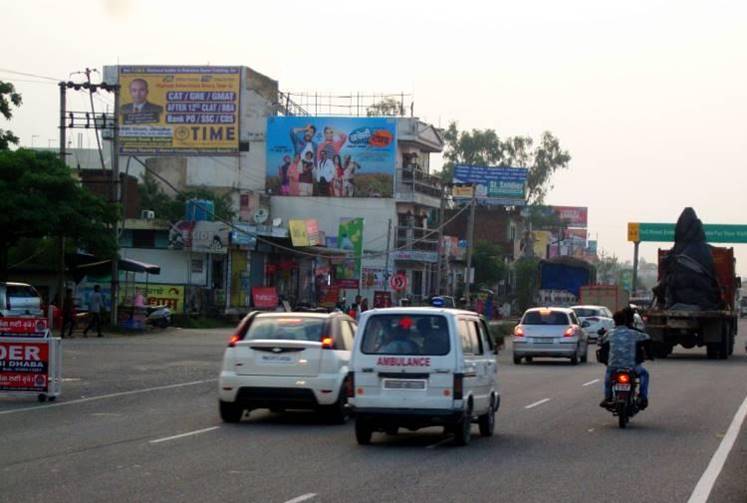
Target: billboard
[[496, 185], [350, 238], [155, 295], [574, 216], [183, 110], [199, 236], [304, 232], [331, 156]]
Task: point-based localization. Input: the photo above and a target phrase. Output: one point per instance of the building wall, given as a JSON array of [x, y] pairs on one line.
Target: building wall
[[176, 265]]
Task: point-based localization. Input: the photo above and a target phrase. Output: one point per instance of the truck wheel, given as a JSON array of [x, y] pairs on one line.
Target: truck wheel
[[712, 351], [662, 350], [723, 350], [517, 360]]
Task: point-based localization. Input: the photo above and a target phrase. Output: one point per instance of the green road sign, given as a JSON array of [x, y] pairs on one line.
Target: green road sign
[[715, 233]]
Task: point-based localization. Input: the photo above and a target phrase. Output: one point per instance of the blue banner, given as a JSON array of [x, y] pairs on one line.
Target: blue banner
[[506, 185], [331, 156]]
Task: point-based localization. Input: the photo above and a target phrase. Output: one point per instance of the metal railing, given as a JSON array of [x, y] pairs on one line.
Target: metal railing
[[416, 238], [413, 179]]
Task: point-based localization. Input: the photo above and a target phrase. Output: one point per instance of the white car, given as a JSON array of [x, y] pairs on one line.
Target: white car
[[553, 332], [281, 361], [416, 367], [593, 319]]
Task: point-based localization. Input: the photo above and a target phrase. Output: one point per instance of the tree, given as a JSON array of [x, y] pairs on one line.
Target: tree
[[8, 97], [489, 265], [526, 271], [40, 198], [388, 107], [152, 197], [484, 147]]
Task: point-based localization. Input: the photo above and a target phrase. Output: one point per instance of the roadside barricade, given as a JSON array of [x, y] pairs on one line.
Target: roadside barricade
[[30, 358]]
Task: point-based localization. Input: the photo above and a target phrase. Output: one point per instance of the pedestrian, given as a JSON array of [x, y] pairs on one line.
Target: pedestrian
[[364, 305], [94, 311], [68, 314]]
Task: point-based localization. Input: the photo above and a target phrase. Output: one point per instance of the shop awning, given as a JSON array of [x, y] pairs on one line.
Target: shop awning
[[84, 263]]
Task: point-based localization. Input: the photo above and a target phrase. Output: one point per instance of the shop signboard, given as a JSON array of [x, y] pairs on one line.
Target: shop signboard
[[200, 236], [23, 327], [382, 298], [155, 295], [24, 365], [374, 278], [179, 110], [492, 184], [350, 239], [299, 236], [244, 236], [265, 297], [331, 156]]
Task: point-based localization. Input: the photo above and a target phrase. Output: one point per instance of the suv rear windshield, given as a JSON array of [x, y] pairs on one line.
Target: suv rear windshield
[[545, 318], [290, 328], [586, 312], [406, 334]]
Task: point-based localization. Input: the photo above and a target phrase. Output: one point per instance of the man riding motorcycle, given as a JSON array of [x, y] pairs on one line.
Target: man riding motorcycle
[[625, 347]]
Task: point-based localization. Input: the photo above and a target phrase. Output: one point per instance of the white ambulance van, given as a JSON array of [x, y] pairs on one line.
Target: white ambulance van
[[414, 367]]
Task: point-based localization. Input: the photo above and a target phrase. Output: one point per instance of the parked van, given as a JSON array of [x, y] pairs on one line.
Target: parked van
[[415, 367], [19, 299]]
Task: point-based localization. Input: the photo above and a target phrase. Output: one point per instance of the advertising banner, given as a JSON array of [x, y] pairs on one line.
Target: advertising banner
[[350, 238], [182, 110], [382, 298], [199, 236], [244, 236], [265, 298], [495, 185], [374, 278], [23, 327], [574, 216], [297, 229], [156, 295], [24, 366], [331, 156]]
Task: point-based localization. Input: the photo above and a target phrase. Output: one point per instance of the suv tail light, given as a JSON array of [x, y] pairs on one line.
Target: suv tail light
[[518, 332], [350, 385], [458, 386], [328, 343], [569, 333], [233, 340]]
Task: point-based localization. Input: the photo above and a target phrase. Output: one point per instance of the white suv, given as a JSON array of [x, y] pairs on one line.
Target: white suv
[[283, 361], [419, 367]]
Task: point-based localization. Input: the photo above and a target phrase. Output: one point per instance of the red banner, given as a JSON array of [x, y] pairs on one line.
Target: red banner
[[23, 326], [265, 298], [24, 366]]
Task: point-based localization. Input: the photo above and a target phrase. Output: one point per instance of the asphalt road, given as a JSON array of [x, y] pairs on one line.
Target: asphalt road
[[138, 421]]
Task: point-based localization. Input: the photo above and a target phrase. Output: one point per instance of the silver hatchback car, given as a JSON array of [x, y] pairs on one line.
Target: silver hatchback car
[[550, 332]]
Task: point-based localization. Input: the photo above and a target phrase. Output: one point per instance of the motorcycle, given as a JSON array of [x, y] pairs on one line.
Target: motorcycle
[[625, 398], [158, 316]]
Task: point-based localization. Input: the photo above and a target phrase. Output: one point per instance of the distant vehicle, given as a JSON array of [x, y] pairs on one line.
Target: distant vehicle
[[19, 299], [743, 307], [593, 319], [158, 316], [550, 332], [613, 297], [281, 361], [422, 366]]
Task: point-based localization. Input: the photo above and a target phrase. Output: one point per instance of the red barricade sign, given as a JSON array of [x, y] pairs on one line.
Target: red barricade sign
[[24, 327], [24, 366]]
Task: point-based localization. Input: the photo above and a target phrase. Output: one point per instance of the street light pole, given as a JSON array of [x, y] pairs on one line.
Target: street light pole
[[471, 239]]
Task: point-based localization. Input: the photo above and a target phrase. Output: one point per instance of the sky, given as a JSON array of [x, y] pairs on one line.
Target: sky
[[649, 97]]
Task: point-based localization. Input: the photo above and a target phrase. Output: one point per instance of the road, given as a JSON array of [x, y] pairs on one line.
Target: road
[[137, 421]]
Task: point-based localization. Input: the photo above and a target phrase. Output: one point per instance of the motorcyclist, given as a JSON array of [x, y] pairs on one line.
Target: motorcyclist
[[625, 347]]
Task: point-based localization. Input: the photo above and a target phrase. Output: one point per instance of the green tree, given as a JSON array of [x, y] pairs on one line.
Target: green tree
[[40, 198], [8, 97], [484, 147], [526, 272], [489, 265], [152, 197]]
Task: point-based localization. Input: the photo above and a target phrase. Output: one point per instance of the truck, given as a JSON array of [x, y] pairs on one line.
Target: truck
[[613, 297], [561, 279], [715, 329]]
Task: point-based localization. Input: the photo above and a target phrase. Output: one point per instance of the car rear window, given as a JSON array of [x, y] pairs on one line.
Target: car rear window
[[406, 334], [586, 312], [291, 328], [545, 318], [22, 291]]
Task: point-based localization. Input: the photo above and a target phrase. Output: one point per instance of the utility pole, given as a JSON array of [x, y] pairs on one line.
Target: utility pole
[[61, 239], [471, 244], [634, 286], [116, 194], [439, 261]]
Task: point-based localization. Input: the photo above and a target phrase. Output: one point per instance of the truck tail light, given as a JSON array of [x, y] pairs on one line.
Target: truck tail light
[[569, 333], [458, 386], [518, 332]]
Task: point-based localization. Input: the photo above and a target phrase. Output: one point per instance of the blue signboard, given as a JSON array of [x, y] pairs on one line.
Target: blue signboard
[[244, 236], [331, 156], [494, 184]]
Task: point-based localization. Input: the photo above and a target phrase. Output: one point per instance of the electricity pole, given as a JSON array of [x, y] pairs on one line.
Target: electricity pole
[[117, 197], [439, 248], [61, 239], [470, 242]]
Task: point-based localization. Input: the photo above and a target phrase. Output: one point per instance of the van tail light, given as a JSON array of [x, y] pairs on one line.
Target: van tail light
[[349, 385], [328, 343], [458, 386], [233, 340], [569, 333], [518, 332]]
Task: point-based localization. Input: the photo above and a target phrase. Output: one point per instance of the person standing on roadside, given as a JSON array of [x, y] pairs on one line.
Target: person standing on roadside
[[68, 314], [94, 310]]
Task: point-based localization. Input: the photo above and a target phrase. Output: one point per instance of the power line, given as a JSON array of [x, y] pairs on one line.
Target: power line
[[5, 70]]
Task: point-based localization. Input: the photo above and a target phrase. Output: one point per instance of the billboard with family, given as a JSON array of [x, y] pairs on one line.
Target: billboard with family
[[331, 156]]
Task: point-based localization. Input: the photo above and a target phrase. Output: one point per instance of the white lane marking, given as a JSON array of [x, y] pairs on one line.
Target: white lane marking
[[104, 397], [540, 402], [182, 435], [708, 479], [591, 382], [440, 443], [303, 497]]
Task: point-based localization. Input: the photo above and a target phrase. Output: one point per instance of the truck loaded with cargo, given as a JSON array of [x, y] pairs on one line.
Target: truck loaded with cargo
[[695, 300], [563, 278], [613, 297]]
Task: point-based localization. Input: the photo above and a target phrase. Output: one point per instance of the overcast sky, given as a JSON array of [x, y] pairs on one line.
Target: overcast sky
[[648, 96]]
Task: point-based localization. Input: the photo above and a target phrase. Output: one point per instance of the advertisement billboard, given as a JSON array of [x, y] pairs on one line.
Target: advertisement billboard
[[496, 185], [156, 295], [24, 366], [331, 156], [199, 236], [304, 232], [350, 238], [183, 110], [573, 216]]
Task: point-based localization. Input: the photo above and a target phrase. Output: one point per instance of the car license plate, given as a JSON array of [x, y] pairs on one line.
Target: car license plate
[[622, 387], [276, 359], [542, 340], [412, 384]]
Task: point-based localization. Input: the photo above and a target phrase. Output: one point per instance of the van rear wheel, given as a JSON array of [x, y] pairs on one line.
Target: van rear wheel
[[486, 422], [463, 431]]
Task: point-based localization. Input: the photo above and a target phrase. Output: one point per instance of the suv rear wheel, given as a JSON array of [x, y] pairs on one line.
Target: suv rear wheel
[[337, 413], [363, 432], [230, 412]]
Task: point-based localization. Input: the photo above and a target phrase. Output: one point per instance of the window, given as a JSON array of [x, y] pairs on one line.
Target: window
[[485, 333], [574, 320], [405, 334], [474, 336], [464, 335], [586, 312], [346, 333], [143, 239], [545, 317], [293, 328]]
